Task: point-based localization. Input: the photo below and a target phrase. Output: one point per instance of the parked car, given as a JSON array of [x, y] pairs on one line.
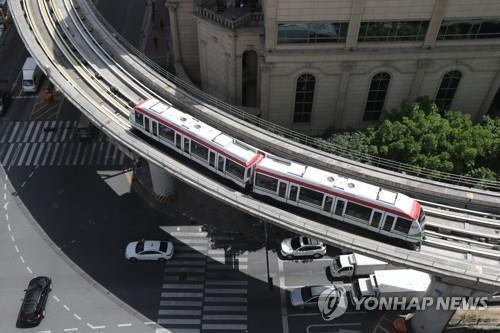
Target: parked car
[[149, 250], [5, 99], [301, 246], [35, 298], [307, 296]]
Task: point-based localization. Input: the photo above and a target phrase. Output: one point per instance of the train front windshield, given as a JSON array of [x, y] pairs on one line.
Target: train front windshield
[[421, 217]]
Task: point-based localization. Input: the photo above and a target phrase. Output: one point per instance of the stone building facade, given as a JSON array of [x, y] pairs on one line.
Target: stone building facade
[[309, 65]]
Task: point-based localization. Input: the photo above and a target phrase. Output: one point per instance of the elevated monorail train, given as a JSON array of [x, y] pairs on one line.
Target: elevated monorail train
[[385, 212]]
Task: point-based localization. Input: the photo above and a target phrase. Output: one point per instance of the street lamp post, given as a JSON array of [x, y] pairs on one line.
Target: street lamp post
[[269, 278]]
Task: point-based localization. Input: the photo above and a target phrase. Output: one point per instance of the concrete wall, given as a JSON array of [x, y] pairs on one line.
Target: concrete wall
[[188, 39]]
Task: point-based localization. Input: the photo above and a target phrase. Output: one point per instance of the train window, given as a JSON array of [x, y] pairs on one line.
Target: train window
[[293, 193], [328, 204], [311, 196], [139, 118], [166, 133], [234, 169], [186, 145], [146, 124], [403, 225], [178, 139], [339, 209], [211, 159], [358, 211], [249, 172], [389, 221], [266, 182], [377, 216], [282, 190], [154, 128], [199, 150]]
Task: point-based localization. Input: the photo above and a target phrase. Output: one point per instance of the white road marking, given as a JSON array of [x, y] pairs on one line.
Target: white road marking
[[56, 298], [16, 248], [8, 227], [29, 269], [96, 327], [6, 217], [5, 187], [4, 196], [71, 329], [23, 184], [5, 205], [49, 331], [149, 323], [125, 325], [66, 307], [12, 238], [77, 316], [22, 259]]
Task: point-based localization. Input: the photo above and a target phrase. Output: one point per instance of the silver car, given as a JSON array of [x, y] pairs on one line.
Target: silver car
[[301, 246], [307, 296]]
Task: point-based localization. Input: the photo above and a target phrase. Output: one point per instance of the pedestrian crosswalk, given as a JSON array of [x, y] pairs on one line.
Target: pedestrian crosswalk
[[204, 289], [54, 143]]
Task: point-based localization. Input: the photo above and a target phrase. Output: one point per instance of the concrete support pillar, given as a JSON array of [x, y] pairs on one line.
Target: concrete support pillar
[[163, 182], [418, 79], [488, 99], [358, 7], [435, 23], [431, 320], [174, 29], [265, 87], [345, 76]]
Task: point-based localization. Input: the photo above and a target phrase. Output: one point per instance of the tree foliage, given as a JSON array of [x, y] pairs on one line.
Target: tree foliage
[[421, 136]]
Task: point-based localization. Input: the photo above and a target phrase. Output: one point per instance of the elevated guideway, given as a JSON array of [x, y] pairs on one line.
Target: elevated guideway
[[72, 56], [450, 189]]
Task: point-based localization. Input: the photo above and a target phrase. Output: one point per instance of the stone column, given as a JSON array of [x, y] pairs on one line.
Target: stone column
[[174, 29], [358, 7], [492, 91], [418, 78], [265, 86], [163, 183], [345, 76], [431, 320], [435, 23]]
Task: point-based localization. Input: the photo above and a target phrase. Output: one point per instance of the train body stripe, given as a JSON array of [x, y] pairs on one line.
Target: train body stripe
[[252, 161], [335, 194]]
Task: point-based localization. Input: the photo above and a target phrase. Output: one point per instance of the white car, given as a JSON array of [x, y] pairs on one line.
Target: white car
[[307, 296], [301, 246], [149, 250]]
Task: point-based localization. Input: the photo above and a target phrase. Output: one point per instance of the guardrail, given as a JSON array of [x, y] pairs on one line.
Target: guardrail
[[229, 23], [317, 143]]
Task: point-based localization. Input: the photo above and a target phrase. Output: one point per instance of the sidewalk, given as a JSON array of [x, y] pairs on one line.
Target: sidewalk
[[158, 44]]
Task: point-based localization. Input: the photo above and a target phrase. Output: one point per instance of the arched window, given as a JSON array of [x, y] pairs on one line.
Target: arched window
[[447, 90], [304, 94], [376, 96]]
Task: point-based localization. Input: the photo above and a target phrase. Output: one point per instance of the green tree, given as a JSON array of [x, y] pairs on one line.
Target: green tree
[[420, 135]]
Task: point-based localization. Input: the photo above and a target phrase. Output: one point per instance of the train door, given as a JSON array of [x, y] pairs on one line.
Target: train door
[[146, 124], [339, 207], [282, 190], [375, 220], [388, 225], [186, 145], [154, 128], [211, 159], [178, 140], [220, 164], [292, 194], [327, 205]]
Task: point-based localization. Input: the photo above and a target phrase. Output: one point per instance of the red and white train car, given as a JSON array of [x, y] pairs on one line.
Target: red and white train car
[[206, 145], [385, 212]]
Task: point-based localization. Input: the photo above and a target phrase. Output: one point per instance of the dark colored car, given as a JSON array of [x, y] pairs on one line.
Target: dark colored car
[[5, 99], [33, 308]]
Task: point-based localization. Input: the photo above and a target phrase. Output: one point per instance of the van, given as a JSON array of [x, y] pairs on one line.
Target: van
[[84, 128], [32, 75]]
